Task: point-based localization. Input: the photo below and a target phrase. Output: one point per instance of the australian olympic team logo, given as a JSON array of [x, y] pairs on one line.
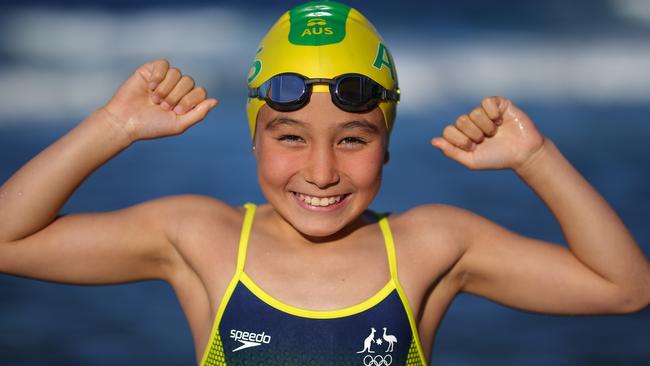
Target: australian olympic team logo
[[378, 360]]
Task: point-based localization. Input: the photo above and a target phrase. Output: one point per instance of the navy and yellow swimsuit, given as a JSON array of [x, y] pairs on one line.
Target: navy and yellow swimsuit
[[253, 328]]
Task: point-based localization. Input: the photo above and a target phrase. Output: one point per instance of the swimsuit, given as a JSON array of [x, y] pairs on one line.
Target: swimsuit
[[253, 328]]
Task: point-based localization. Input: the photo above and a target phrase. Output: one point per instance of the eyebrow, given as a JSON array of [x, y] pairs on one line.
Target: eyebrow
[[280, 120], [349, 125], [365, 125]]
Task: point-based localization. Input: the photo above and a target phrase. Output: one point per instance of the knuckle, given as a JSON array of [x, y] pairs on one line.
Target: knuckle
[[160, 67], [491, 130], [186, 104], [162, 61], [170, 100], [492, 99], [476, 113], [201, 92], [490, 106], [462, 121], [187, 80], [159, 75], [447, 131], [466, 143], [174, 71], [203, 113], [477, 136]]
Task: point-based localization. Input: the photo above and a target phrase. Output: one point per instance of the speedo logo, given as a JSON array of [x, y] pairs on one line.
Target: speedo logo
[[249, 339]]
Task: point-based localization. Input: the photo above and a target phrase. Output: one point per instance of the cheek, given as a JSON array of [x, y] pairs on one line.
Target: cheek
[[365, 170], [275, 168]]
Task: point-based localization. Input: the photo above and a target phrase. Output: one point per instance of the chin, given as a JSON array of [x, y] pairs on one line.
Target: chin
[[318, 225], [319, 232], [323, 226]]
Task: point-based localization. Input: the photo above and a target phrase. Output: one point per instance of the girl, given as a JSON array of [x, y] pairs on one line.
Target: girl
[[313, 277]]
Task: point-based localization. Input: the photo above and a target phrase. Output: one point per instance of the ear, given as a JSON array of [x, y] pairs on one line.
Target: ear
[[386, 157]]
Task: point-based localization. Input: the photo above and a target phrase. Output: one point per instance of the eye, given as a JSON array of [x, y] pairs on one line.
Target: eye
[[351, 141], [290, 138]]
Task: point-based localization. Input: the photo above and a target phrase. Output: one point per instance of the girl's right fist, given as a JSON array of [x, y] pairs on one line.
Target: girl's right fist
[[156, 101]]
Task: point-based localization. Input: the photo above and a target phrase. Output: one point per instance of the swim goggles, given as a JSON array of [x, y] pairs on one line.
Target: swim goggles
[[351, 92]]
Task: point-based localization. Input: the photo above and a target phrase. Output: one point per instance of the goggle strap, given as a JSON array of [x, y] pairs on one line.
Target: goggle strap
[[390, 95]]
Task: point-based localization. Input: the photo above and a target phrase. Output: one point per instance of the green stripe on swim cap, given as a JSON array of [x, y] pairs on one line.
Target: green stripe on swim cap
[[318, 23]]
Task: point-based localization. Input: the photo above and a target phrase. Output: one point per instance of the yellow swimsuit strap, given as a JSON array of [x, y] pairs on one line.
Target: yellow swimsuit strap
[[416, 347], [245, 236], [213, 353], [390, 246]]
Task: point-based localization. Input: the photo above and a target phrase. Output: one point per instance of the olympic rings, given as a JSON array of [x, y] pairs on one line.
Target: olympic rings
[[378, 360]]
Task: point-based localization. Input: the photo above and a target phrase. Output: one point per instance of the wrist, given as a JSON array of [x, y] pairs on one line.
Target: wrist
[[536, 160], [118, 127]]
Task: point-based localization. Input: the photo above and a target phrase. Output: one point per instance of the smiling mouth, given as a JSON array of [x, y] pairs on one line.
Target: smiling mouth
[[320, 201]]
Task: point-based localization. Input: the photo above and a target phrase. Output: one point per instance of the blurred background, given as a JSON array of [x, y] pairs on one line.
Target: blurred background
[[581, 70]]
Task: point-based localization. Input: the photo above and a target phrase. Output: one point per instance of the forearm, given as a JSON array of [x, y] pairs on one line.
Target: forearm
[[33, 196], [594, 232]]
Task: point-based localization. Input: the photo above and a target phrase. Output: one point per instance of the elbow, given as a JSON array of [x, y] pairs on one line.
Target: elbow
[[631, 301], [632, 306]]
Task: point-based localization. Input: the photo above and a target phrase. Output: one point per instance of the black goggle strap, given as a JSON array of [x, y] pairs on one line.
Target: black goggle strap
[[254, 93], [390, 95]]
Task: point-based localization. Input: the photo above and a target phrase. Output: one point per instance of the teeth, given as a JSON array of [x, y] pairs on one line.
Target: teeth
[[319, 202]]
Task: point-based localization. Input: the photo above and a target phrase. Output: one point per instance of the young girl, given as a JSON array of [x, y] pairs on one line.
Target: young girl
[[313, 277]]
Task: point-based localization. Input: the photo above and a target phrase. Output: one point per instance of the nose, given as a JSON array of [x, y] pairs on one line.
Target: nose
[[322, 168]]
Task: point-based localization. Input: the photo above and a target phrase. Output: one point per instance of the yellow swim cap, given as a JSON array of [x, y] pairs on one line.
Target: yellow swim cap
[[322, 39]]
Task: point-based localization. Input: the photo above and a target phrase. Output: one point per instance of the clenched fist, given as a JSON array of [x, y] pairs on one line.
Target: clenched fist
[[156, 101], [494, 135]]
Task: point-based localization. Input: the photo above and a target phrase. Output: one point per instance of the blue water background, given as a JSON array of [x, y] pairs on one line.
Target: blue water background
[[142, 324]]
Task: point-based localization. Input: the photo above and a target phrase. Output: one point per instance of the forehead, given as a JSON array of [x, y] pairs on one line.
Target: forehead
[[320, 113]]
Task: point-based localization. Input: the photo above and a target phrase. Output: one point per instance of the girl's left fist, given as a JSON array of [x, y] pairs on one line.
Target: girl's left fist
[[494, 135]]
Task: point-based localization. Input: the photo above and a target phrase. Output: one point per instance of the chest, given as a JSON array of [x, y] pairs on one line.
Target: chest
[[320, 279], [254, 327]]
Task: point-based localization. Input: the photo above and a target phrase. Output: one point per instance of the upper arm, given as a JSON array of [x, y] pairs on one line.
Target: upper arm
[[130, 244], [488, 260], [526, 273]]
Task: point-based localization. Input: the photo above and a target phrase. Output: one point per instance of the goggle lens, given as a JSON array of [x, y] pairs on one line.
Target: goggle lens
[[357, 93], [284, 88]]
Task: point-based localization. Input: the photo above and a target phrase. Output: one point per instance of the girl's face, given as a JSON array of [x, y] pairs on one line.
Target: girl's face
[[320, 167]]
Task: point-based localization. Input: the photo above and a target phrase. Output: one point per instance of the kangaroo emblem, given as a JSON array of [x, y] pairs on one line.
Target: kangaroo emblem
[[368, 341], [391, 339]]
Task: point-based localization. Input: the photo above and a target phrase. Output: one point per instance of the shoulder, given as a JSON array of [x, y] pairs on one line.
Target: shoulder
[[438, 223], [432, 238], [459, 235], [184, 214], [432, 222], [189, 220], [203, 231], [188, 208]]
